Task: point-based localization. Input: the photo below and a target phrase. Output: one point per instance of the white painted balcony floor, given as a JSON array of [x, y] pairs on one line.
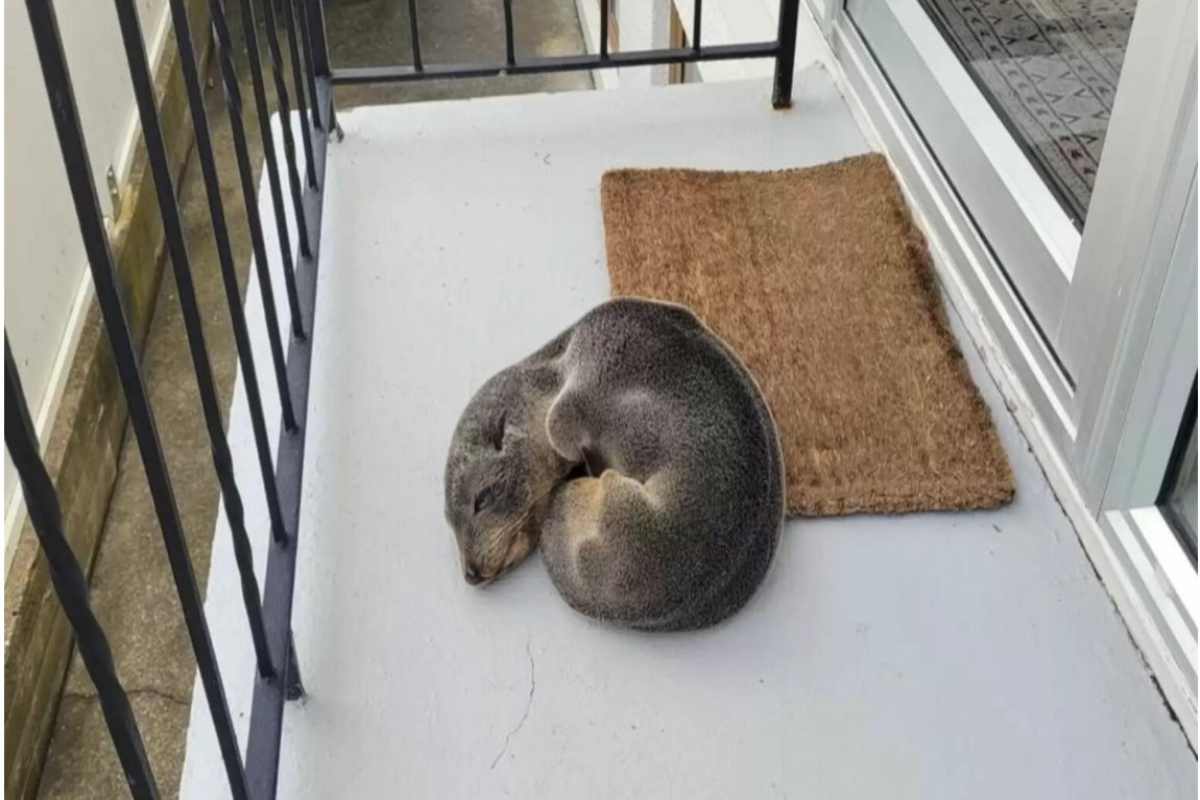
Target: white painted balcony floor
[[947, 655]]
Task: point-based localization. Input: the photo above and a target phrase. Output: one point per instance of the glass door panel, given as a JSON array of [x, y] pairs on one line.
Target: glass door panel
[[1049, 69]]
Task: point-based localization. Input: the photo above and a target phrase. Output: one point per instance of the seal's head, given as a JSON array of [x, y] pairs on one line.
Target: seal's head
[[499, 476]]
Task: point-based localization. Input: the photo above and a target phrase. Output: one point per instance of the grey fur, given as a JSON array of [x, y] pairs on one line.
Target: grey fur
[[640, 453]]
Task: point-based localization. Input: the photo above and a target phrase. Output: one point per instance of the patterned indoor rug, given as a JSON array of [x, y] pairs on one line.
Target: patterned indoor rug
[[1051, 67]]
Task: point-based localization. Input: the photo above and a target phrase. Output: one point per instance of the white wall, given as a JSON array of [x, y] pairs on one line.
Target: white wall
[[733, 22], [45, 283], [643, 25]]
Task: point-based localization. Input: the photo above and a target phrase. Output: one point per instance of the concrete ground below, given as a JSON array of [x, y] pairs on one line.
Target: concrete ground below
[[132, 588]]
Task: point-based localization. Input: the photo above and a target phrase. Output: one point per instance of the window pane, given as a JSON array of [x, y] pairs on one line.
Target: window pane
[[1181, 502]]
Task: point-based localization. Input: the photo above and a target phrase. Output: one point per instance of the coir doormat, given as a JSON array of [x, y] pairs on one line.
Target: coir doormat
[[819, 280]]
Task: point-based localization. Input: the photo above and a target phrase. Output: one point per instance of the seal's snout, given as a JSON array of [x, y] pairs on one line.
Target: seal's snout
[[472, 575]]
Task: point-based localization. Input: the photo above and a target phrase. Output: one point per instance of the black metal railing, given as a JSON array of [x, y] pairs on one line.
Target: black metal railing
[[782, 49], [312, 79], [268, 616]]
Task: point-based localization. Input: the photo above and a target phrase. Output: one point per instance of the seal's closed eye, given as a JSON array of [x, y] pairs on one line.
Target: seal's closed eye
[[484, 497], [493, 434]]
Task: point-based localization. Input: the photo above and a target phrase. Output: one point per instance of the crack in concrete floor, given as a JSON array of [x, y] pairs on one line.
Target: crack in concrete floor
[[528, 706]]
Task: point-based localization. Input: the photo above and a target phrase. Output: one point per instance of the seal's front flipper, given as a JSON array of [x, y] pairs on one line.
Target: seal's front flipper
[[566, 425]]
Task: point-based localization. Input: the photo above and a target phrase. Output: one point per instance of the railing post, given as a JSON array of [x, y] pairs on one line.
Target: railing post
[[314, 14], [320, 48], [603, 30], [414, 33], [310, 75], [785, 57], [510, 50]]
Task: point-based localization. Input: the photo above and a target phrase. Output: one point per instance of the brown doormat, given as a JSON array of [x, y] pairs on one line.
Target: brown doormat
[[819, 280]]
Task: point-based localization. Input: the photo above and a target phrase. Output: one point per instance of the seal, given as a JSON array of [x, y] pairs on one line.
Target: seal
[[638, 452]]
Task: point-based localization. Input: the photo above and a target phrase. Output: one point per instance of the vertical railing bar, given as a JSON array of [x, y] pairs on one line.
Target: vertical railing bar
[[289, 23], [285, 124], [316, 27], [70, 584], [241, 336], [785, 58], [510, 53], [696, 19], [314, 12], [268, 145], [310, 71], [603, 30], [176, 246], [233, 103], [108, 296], [415, 36]]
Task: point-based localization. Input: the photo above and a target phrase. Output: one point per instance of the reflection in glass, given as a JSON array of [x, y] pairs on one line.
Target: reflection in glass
[[1050, 69]]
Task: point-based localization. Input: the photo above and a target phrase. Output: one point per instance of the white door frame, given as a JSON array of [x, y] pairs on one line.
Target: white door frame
[[1152, 137]]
